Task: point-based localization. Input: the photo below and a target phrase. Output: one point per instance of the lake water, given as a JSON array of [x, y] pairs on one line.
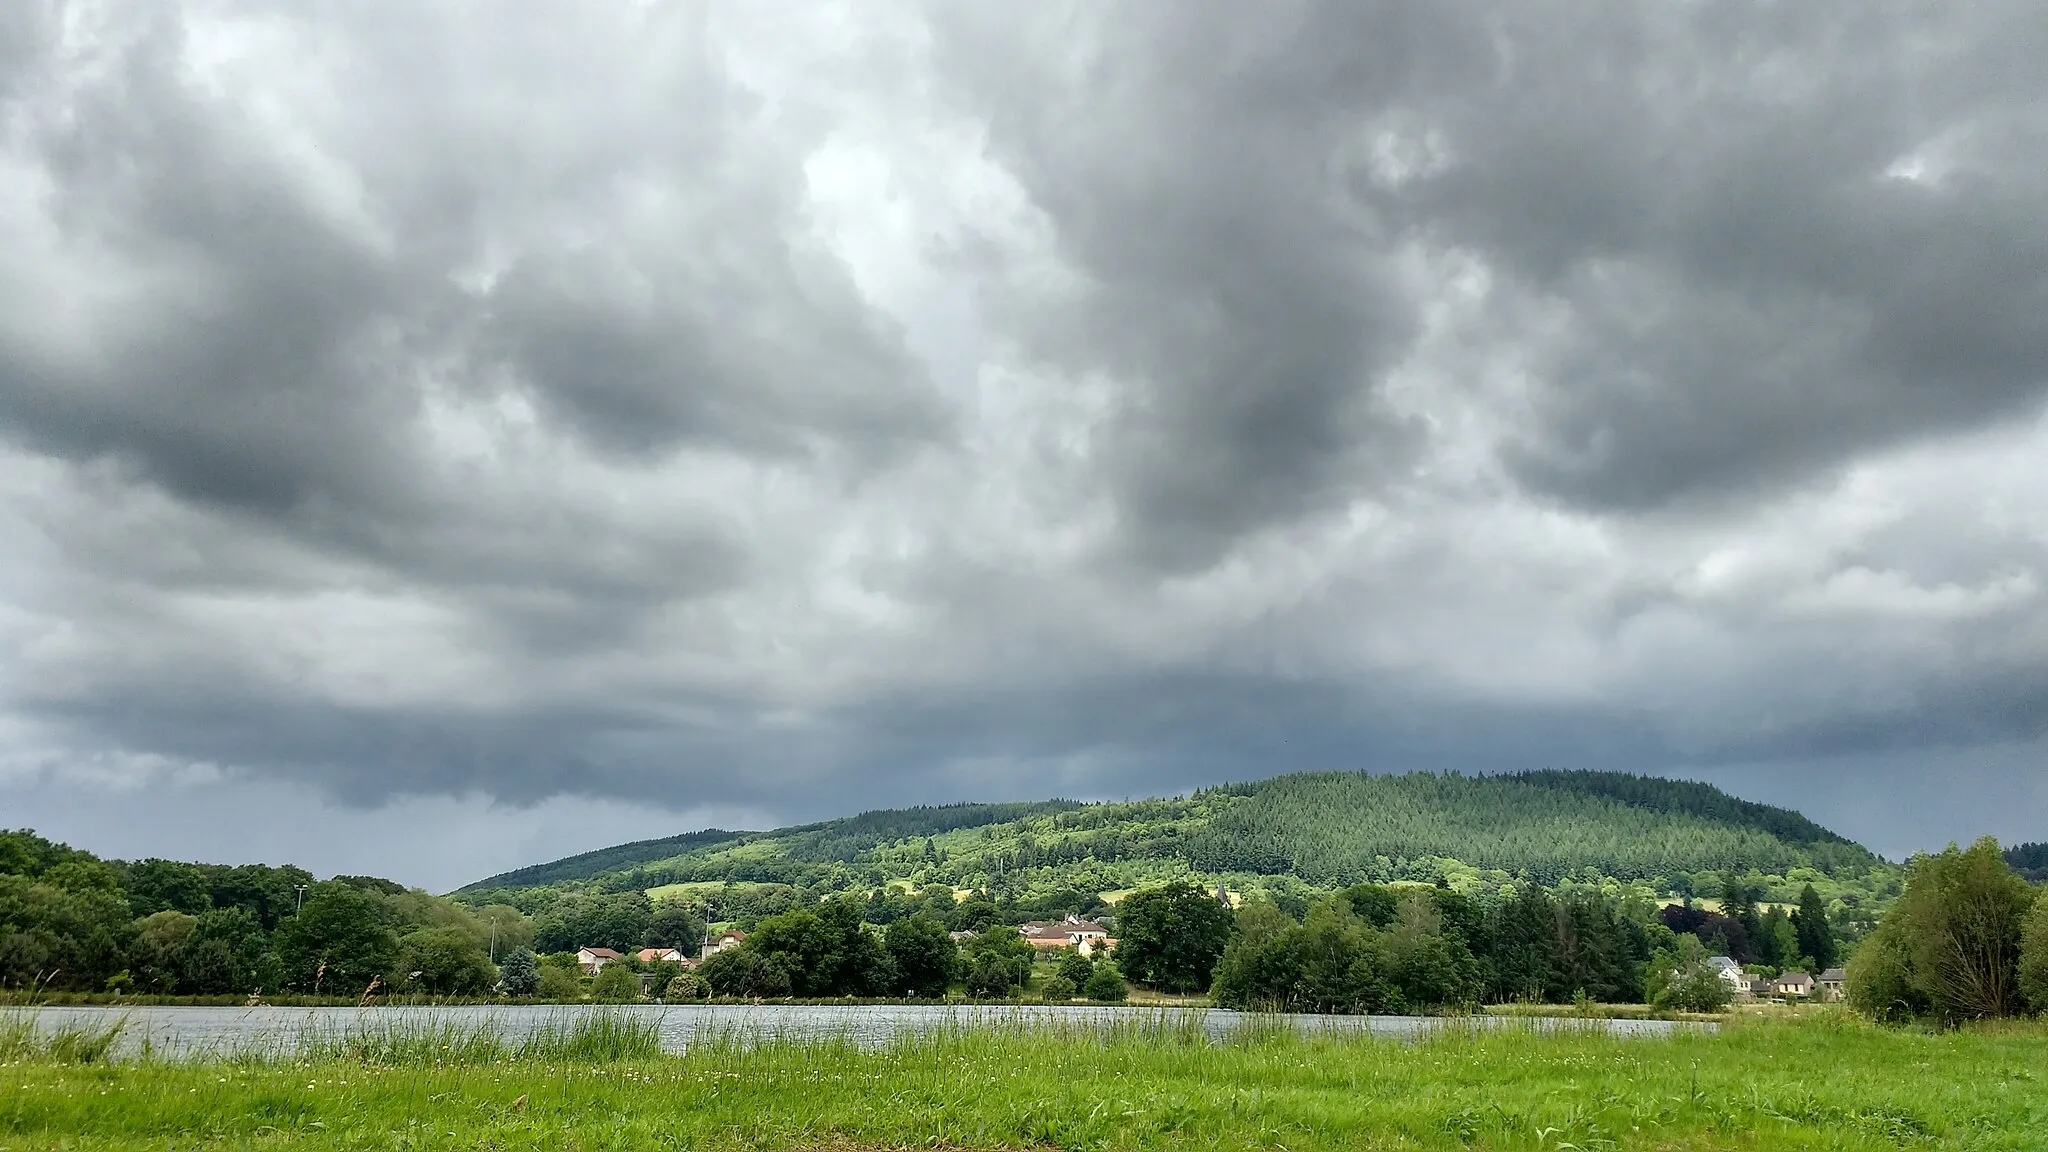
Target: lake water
[[223, 1030]]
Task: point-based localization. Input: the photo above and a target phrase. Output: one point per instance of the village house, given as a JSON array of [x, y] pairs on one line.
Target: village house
[[1730, 971], [1085, 936], [1793, 983], [1044, 934], [661, 956], [730, 938], [591, 960], [1831, 982]]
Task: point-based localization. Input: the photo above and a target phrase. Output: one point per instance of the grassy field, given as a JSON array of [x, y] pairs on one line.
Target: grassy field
[[1817, 1083]]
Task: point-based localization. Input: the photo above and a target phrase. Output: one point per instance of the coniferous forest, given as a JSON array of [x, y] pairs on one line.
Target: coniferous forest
[[1291, 837]]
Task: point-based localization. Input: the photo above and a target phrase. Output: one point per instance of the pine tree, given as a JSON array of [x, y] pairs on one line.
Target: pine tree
[[520, 974], [1816, 938], [1525, 946]]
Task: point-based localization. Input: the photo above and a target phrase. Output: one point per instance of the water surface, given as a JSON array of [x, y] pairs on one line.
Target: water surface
[[196, 1030]]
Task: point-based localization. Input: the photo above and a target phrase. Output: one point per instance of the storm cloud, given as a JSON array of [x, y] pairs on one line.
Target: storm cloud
[[721, 412]]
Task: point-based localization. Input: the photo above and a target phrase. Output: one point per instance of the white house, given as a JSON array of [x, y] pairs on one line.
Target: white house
[[591, 960], [730, 938], [1730, 971]]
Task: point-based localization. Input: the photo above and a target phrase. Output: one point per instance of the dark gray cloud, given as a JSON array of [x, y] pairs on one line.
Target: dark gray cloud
[[741, 412]]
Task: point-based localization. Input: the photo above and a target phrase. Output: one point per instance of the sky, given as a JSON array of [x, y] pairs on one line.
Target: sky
[[439, 436]]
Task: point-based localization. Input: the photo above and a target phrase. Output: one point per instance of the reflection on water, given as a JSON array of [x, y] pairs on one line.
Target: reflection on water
[[225, 1030]]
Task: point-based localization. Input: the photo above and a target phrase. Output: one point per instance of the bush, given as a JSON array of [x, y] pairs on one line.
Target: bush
[[991, 978], [444, 962], [1880, 977], [1105, 984], [1058, 988], [615, 984], [2034, 956], [1076, 968], [1680, 979], [747, 974], [686, 988], [559, 983]]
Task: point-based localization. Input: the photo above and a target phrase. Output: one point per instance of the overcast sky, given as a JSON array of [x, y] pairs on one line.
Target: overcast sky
[[439, 436]]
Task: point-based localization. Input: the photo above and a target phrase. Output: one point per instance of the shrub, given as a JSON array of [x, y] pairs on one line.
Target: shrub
[[1880, 977], [559, 983], [444, 962], [1076, 968], [2034, 956], [686, 988], [1105, 983], [1059, 988], [615, 984], [991, 978], [1680, 979]]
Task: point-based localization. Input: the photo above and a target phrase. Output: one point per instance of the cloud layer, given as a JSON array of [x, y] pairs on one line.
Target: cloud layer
[[724, 408]]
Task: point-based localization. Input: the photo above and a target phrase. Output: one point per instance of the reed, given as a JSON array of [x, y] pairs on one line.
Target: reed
[[26, 1037]]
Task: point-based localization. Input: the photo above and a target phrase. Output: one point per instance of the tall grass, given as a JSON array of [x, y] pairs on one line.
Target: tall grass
[[1002, 1082], [387, 1041], [24, 1039], [604, 1036], [600, 1037]]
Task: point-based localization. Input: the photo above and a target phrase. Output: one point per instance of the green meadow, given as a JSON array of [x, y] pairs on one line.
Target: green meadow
[[1820, 1082]]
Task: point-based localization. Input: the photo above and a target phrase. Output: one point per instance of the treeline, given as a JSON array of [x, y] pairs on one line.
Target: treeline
[[70, 921], [1968, 940], [1394, 949], [2030, 861], [1378, 949], [566, 919]]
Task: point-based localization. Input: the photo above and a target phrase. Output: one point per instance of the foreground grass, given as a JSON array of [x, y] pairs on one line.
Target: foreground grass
[[1813, 1084]]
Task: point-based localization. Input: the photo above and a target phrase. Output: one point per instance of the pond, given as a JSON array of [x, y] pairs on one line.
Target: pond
[[188, 1031]]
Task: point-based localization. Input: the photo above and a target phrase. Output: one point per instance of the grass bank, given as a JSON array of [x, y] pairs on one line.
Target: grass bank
[[1823, 1083]]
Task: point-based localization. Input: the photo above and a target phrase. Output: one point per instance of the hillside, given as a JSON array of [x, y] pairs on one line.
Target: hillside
[[1312, 830]]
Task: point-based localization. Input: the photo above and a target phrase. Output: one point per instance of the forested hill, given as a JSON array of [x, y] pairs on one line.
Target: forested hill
[[1315, 829], [841, 839], [2030, 861]]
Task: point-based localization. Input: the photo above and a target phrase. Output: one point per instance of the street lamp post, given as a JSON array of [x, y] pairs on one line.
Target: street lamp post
[[301, 905]]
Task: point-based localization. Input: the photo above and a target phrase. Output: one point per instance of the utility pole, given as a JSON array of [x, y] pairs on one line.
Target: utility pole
[[301, 906], [494, 937]]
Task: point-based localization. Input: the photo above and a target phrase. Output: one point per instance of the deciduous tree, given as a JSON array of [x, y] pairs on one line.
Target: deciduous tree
[[1171, 937]]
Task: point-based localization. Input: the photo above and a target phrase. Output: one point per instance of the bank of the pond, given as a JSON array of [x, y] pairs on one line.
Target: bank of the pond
[[1816, 1084]]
